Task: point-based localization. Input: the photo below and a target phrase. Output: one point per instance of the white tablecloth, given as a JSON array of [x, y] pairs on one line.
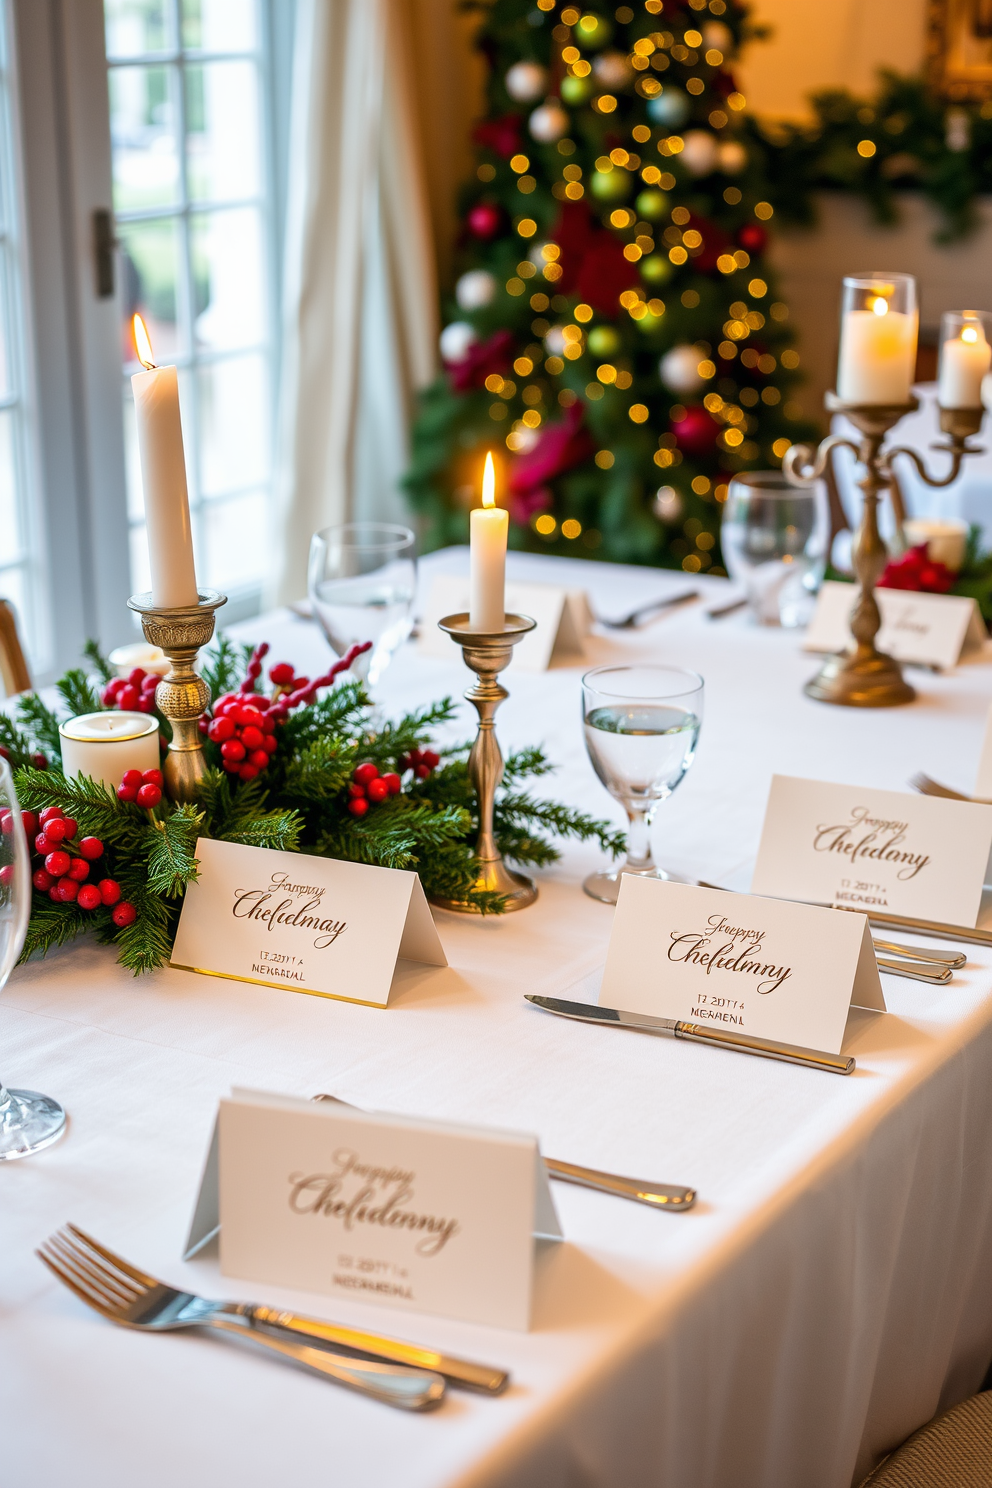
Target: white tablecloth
[[828, 1294]]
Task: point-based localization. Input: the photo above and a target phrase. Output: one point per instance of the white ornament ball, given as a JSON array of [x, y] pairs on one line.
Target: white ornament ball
[[679, 369], [733, 157], [549, 123], [700, 153], [612, 71], [475, 289], [555, 341], [526, 81], [668, 504], [716, 34], [457, 340]]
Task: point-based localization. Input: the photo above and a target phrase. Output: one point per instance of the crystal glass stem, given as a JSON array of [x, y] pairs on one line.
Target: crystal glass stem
[[639, 857]]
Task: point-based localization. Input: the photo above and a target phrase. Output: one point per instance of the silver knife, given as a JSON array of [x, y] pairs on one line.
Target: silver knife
[[587, 1012]]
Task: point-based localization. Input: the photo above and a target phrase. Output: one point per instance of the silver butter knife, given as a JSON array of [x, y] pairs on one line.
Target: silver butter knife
[[743, 1043]]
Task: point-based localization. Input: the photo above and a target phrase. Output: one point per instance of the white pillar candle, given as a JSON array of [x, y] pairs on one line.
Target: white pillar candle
[[946, 539], [163, 478], [124, 659], [877, 355], [104, 745], [487, 561], [964, 361]]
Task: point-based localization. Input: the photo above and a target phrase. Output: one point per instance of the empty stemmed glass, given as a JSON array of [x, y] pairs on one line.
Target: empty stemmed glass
[[641, 724], [28, 1121], [362, 579]]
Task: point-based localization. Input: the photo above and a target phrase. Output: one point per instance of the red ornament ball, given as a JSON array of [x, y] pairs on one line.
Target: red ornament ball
[[125, 914], [752, 237], [484, 220], [696, 431], [91, 848]]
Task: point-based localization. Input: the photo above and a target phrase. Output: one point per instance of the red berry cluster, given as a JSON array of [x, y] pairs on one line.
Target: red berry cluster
[[245, 729], [368, 787], [134, 693], [62, 876], [421, 762], [142, 786]]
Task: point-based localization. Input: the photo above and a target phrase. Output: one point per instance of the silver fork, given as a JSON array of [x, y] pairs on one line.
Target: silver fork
[[928, 787], [123, 1294]]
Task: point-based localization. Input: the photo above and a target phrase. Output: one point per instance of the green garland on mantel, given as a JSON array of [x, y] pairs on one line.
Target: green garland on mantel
[[298, 802], [903, 138]]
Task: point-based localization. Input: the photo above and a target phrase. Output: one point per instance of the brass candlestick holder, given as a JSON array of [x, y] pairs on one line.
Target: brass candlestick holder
[[866, 677], [182, 696], [487, 653]]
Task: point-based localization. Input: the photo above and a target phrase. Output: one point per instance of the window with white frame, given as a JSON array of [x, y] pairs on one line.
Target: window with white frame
[[20, 537], [190, 115]]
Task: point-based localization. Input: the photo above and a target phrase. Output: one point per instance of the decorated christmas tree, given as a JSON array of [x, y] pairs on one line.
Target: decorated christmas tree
[[614, 331]]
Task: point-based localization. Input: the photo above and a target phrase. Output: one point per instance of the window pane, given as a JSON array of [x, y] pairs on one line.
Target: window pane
[[150, 268], [136, 26], [222, 122], [5, 382], [232, 548], [220, 25], [229, 279], [11, 537], [233, 408], [142, 128]]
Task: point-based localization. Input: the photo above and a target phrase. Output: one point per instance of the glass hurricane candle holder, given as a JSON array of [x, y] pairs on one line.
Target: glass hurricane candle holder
[[879, 321], [965, 356]]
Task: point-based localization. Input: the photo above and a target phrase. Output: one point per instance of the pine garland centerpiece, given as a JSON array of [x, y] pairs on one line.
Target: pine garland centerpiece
[[301, 768]]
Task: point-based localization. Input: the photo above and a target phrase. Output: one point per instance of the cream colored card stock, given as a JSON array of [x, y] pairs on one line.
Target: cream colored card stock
[[312, 924], [420, 1215], [931, 629], [874, 850], [787, 972], [563, 619]]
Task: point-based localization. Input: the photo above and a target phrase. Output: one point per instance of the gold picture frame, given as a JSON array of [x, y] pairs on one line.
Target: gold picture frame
[[959, 48]]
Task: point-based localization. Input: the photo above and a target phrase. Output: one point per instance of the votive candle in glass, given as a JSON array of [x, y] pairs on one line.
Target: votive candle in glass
[[965, 355], [879, 322]]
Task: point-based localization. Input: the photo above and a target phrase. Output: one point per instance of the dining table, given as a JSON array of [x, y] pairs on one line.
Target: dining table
[[827, 1294]]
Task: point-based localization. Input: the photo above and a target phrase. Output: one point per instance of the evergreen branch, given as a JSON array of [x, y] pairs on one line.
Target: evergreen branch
[[98, 661], [15, 742], [75, 691], [321, 770], [279, 829], [51, 925], [41, 725], [523, 763], [512, 811], [223, 665], [172, 862]]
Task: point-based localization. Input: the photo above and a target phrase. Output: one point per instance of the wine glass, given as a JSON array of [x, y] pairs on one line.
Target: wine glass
[[641, 724], [774, 539], [28, 1121], [362, 579]]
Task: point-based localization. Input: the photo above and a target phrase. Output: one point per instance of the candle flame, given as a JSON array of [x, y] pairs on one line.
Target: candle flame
[[970, 333], [489, 482], [142, 344], [880, 305]]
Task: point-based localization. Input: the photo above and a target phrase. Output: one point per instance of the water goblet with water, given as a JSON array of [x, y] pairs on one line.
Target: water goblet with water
[[362, 580], [641, 724], [774, 539], [28, 1121]]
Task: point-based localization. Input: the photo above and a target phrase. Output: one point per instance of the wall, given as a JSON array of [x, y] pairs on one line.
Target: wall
[[828, 44]]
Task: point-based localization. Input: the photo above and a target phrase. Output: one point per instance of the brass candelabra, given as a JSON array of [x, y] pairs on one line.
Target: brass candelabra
[[487, 653], [182, 696], [864, 677]]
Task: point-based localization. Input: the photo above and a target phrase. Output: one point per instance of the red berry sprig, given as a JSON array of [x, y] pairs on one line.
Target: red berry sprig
[[134, 693], [368, 787], [142, 786], [421, 762], [244, 728], [64, 877]]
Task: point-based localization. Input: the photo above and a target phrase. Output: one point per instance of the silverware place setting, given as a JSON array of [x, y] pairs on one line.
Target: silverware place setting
[[928, 787]]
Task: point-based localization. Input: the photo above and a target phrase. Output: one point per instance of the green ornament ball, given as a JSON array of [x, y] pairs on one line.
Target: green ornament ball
[[649, 323], [656, 269], [575, 90], [603, 340], [593, 31], [652, 205], [610, 186]]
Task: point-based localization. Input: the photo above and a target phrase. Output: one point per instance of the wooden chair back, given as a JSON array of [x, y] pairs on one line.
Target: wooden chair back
[[13, 667]]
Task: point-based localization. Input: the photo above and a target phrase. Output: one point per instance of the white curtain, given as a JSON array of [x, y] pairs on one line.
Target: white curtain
[[360, 317]]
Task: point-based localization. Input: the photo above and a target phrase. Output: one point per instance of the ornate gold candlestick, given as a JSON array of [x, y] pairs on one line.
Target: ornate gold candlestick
[[182, 695], [866, 677], [487, 653]]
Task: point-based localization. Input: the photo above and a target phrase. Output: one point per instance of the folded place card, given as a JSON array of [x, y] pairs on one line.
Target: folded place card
[[930, 629], [315, 925], [874, 850], [422, 1215], [983, 778], [787, 972], [563, 619]]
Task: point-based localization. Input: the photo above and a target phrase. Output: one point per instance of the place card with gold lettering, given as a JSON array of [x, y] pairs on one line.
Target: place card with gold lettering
[[426, 1216], [930, 629], [870, 849], [787, 972], [563, 620], [317, 925]]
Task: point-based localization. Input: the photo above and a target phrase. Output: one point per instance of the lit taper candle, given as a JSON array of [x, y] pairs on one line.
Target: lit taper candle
[[487, 563], [878, 329], [163, 478], [965, 355]]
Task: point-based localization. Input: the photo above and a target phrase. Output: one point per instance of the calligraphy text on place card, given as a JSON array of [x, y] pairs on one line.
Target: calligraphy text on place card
[[868, 836]]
